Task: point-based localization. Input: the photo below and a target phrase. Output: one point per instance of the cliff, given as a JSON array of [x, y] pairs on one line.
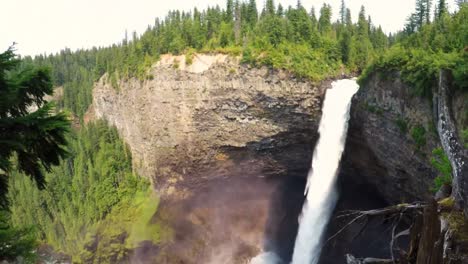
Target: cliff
[[218, 140], [196, 115], [222, 142], [384, 145], [389, 150]]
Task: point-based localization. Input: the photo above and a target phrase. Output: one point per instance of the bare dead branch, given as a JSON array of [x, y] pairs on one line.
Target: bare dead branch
[[387, 211]]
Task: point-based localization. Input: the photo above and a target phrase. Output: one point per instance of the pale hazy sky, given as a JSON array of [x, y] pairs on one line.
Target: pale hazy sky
[[40, 26]]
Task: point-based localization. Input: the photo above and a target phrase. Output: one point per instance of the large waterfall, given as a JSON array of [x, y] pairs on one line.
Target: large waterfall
[[320, 189]]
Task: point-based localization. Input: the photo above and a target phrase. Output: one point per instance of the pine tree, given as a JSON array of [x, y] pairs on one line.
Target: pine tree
[[229, 11], [441, 8], [252, 13], [301, 23], [36, 137], [362, 46], [342, 12], [280, 10], [270, 8], [349, 22], [363, 27], [313, 17], [324, 23], [428, 11], [423, 13]]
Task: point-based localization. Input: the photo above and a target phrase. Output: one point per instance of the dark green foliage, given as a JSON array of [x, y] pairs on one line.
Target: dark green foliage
[[442, 164], [374, 109], [82, 191], [418, 133], [16, 242], [324, 23], [441, 9], [300, 59], [29, 130], [421, 54], [402, 124]]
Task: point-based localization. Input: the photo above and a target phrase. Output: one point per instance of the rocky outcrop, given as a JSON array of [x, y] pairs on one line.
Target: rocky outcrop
[[392, 134], [391, 138], [186, 123], [449, 137]]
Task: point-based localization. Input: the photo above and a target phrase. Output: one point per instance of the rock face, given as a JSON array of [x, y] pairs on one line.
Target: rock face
[[449, 136], [221, 142], [388, 153], [391, 138], [199, 115]]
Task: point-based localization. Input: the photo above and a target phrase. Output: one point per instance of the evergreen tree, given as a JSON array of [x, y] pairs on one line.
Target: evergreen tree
[[301, 24], [362, 49], [36, 137], [343, 12], [313, 17], [349, 22], [270, 8], [229, 11], [423, 11], [441, 9], [428, 11], [252, 13], [280, 10], [324, 23], [363, 25]]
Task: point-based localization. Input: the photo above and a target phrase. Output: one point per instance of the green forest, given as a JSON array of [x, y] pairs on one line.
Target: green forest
[[91, 195], [92, 192]]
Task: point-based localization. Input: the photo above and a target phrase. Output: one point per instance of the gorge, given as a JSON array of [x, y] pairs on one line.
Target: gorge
[[236, 135], [270, 163]]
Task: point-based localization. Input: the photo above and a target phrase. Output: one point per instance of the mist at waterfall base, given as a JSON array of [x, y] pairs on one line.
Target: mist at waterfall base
[[320, 191]]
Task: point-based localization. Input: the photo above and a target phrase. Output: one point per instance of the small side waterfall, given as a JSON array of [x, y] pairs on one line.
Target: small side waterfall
[[320, 189]]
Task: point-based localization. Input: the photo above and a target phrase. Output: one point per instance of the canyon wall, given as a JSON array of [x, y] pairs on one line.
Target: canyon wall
[[227, 147], [222, 142], [199, 115]]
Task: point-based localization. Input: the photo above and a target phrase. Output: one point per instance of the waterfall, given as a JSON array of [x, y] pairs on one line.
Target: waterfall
[[320, 190]]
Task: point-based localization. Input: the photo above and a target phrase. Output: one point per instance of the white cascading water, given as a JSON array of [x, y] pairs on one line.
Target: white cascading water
[[320, 189]]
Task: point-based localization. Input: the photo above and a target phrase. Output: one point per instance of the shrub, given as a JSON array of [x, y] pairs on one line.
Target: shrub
[[419, 67], [114, 81], [418, 133], [189, 54], [402, 124], [176, 65], [442, 164]]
